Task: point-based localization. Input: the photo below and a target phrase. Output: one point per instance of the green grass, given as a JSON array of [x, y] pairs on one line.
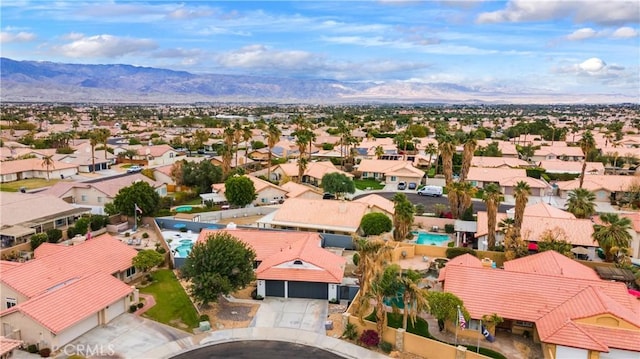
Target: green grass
[[363, 184], [172, 303], [31, 183]]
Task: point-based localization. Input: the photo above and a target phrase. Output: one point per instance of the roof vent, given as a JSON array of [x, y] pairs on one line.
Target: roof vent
[[297, 262]]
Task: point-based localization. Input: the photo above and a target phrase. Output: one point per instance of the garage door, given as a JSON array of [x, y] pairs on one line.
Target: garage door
[[308, 290], [619, 354], [115, 310], [563, 352], [274, 288], [77, 330]]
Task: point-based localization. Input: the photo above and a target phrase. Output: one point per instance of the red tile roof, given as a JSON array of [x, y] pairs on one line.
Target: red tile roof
[[62, 307], [7, 345], [6, 265], [103, 253], [615, 338], [551, 263]]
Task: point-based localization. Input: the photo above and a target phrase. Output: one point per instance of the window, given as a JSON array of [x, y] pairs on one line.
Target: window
[[83, 198], [394, 178], [131, 271], [171, 154], [297, 262], [99, 199], [522, 323], [473, 324], [11, 302]]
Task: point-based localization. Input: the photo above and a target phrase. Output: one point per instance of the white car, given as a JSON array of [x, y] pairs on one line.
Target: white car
[[134, 169], [433, 191]]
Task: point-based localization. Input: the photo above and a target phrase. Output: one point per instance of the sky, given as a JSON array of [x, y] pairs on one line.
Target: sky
[[555, 46]]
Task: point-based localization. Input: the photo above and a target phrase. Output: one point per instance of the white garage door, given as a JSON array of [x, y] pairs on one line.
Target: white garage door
[[571, 353], [115, 310], [77, 330], [619, 354]]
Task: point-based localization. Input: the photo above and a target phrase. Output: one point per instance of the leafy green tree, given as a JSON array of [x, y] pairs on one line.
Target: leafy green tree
[[54, 235], [375, 223], [444, 306], [239, 190], [581, 203], [37, 239], [141, 194], [337, 183], [147, 259], [198, 175], [220, 265]]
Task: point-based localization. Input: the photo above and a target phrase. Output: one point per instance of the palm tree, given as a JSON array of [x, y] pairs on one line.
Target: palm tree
[[491, 197], [587, 144], [246, 136], [103, 138], [226, 150], [415, 300], [613, 235], [237, 136], [447, 148], [273, 136], [431, 150], [302, 141], [402, 216], [469, 148], [521, 193], [383, 284], [581, 203], [379, 151], [47, 162], [94, 139], [459, 195]]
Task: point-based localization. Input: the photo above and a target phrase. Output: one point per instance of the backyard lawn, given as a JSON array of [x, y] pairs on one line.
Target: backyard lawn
[[363, 184], [31, 183], [173, 306]]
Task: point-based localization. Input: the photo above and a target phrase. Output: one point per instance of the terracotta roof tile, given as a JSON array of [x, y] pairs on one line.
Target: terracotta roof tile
[[7, 265], [377, 201], [614, 337], [7, 345], [551, 263], [318, 213]]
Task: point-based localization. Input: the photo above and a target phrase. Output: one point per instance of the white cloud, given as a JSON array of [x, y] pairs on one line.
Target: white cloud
[[22, 36], [581, 11], [582, 34], [73, 36], [261, 57], [176, 53], [188, 14], [625, 32], [105, 46], [596, 69], [592, 65]]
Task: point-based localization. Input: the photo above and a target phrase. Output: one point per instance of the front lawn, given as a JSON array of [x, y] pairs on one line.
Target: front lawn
[[173, 305], [363, 184], [31, 183]]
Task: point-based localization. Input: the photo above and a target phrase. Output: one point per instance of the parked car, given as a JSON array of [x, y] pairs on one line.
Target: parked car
[[413, 185], [402, 185], [134, 169], [328, 195], [432, 191]]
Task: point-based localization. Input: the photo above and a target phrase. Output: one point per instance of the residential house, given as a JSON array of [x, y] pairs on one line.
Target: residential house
[[563, 153], [498, 162], [317, 215], [508, 149], [8, 346], [390, 172], [157, 155], [312, 175], [243, 161], [84, 287], [557, 302], [95, 195], [605, 187], [507, 179], [102, 160], [296, 190], [378, 204], [24, 214], [266, 192], [291, 264], [34, 168], [571, 167]]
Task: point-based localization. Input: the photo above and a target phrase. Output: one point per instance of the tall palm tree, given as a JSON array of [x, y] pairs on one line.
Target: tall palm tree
[[459, 195], [587, 144], [467, 155], [613, 235], [431, 150], [226, 150], [273, 136], [521, 193], [383, 284], [402, 216], [246, 136], [414, 298], [491, 197], [94, 139], [302, 141], [379, 151], [103, 138], [47, 162], [581, 203], [447, 147], [237, 137]]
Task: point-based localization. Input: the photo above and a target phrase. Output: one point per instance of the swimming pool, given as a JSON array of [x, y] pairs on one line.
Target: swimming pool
[[432, 238], [183, 209], [184, 249]]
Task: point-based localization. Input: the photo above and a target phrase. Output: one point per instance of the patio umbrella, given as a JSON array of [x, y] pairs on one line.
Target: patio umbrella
[[580, 250], [179, 225]]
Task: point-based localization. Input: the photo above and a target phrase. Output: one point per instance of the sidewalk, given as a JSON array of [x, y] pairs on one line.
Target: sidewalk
[[149, 302]]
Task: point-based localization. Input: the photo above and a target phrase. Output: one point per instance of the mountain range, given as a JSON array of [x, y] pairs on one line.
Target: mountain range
[[35, 81]]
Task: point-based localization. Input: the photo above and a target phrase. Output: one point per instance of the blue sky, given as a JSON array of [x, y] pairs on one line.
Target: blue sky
[[582, 46]]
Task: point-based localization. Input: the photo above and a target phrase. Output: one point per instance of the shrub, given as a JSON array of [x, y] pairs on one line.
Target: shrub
[[140, 305], [32, 348], [350, 331], [81, 226], [145, 235], [161, 250], [37, 240], [370, 338], [45, 352], [71, 232], [458, 251], [98, 222], [375, 223], [133, 308], [204, 318], [449, 228], [386, 347], [127, 234], [54, 235], [356, 258]]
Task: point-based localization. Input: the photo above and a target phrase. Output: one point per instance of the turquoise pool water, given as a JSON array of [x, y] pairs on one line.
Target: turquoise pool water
[[184, 249], [184, 209], [432, 238]]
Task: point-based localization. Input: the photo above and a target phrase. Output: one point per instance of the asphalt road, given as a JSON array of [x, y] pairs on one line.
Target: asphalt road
[[430, 202], [257, 349]]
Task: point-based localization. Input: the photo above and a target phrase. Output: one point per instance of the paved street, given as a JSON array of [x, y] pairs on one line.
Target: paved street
[[430, 202], [257, 349]]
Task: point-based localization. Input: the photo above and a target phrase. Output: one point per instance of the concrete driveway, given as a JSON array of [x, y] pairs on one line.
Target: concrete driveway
[[127, 336], [305, 314]]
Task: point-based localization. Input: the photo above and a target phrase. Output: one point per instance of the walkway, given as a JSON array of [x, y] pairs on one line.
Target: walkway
[[149, 302]]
